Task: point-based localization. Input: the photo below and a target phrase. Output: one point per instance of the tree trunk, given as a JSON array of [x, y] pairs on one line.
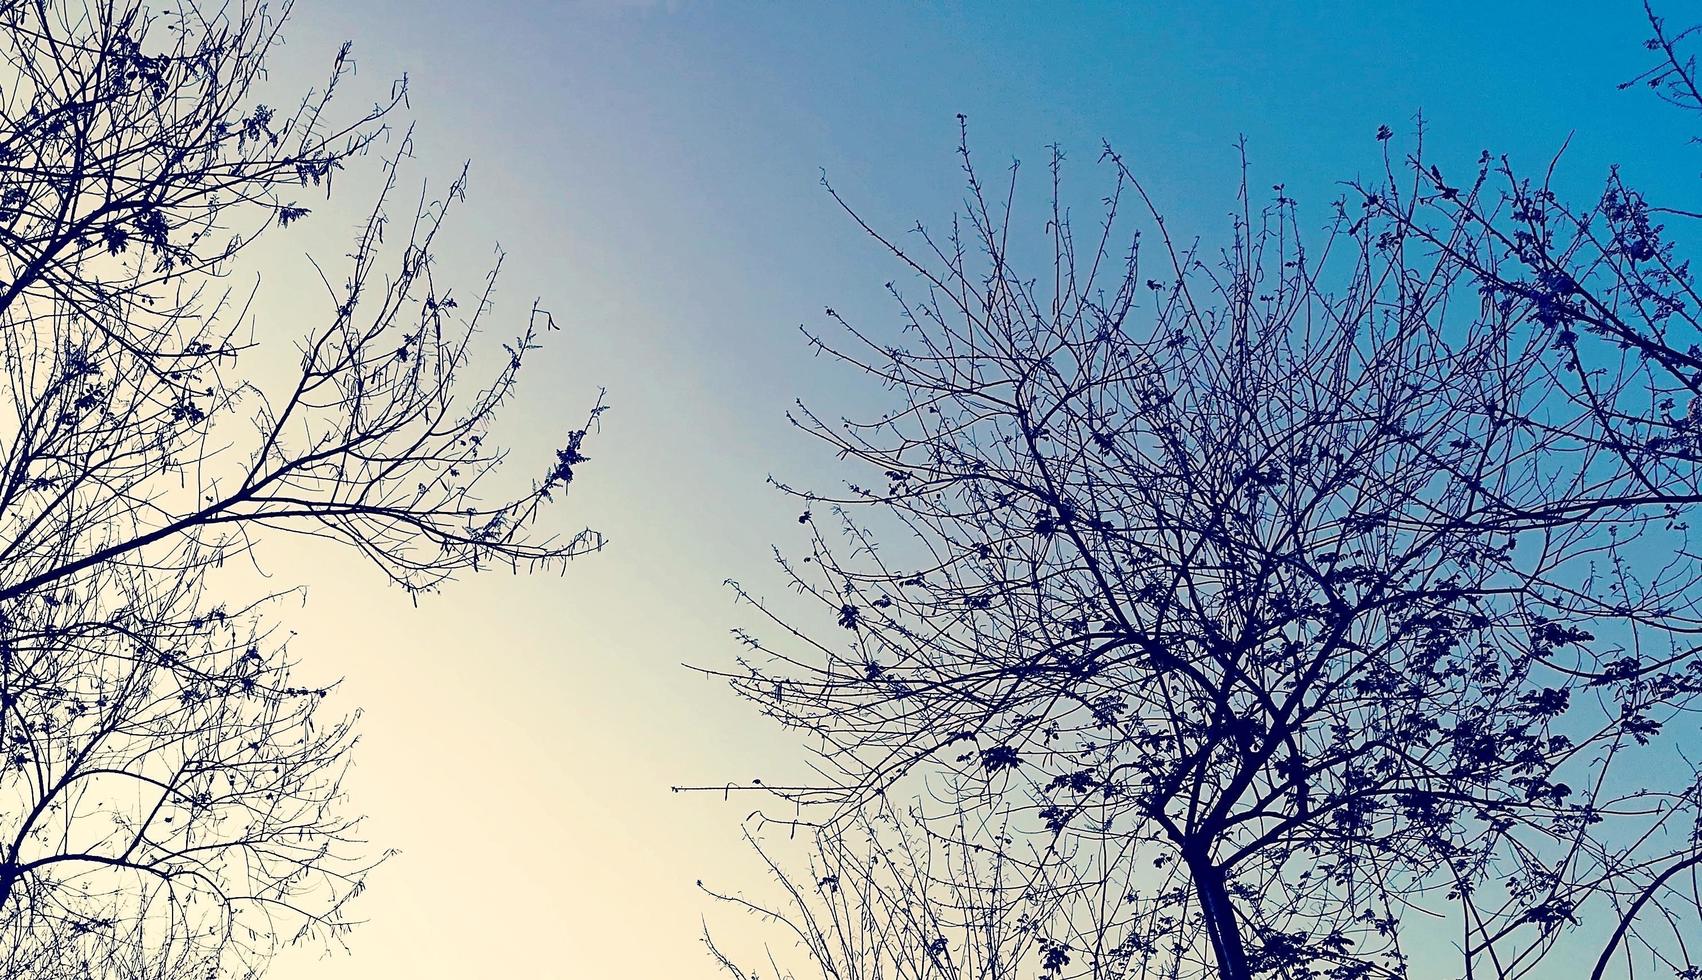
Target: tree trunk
[[1227, 945]]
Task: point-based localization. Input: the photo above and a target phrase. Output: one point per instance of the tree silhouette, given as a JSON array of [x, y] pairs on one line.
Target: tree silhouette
[[172, 806], [885, 896], [1240, 604], [169, 801], [1608, 282]]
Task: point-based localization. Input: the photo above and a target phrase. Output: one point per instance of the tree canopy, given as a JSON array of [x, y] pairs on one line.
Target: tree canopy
[[1317, 606], [170, 800]]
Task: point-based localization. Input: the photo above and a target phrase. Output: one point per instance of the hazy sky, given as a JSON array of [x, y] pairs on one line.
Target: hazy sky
[[652, 170]]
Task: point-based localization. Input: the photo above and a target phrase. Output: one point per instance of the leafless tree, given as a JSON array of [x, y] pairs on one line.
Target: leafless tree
[[169, 801], [172, 808], [1203, 582], [888, 895], [1610, 283]]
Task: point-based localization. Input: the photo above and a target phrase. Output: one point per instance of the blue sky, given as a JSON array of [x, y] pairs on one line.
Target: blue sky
[[652, 170]]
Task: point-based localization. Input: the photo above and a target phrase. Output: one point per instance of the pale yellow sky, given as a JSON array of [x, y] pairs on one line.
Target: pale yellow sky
[[521, 734], [520, 738]]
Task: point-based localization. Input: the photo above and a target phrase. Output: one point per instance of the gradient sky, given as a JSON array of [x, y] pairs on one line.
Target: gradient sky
[[652, 170]]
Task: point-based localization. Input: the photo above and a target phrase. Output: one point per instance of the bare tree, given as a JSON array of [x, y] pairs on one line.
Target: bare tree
[[1610, 283], [169, 800], [886, 894], [1203, 581], [172, 807]]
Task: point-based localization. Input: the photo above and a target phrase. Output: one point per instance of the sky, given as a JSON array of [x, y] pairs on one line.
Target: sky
[[652, 170]]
